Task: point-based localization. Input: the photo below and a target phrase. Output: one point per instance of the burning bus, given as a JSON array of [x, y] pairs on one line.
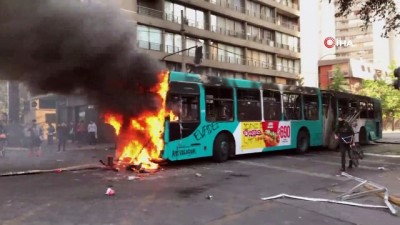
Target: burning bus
[[202, 116]]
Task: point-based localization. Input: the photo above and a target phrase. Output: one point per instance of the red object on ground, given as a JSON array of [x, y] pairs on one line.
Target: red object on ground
[[110, 192]]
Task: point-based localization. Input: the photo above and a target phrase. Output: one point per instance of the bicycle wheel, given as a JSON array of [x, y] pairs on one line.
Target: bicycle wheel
[[354, 157]]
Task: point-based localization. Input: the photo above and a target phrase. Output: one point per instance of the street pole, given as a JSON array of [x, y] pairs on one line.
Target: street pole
[[183, 64]]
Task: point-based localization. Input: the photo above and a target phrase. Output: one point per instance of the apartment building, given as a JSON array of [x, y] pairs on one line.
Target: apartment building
[[367, 44], [250, 39]]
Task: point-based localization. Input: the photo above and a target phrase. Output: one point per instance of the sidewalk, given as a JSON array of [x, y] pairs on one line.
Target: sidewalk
[[20, 159], [68, 146], [390, 137]]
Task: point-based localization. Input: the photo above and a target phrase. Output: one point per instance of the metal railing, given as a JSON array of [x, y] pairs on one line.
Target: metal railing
[[222, 30]]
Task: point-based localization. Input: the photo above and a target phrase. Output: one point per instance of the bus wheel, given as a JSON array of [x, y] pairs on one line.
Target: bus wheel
[[221, 148], [303, 141], [363, 138]]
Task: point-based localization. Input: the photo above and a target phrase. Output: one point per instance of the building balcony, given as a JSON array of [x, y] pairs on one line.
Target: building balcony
[[227, 60], [215, 29]]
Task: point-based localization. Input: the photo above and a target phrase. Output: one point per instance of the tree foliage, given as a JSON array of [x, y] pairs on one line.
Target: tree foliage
[[372, 10], [383, 89], [338, 81]]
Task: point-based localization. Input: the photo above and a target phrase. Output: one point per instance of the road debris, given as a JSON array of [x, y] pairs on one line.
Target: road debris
[[382, 168], [210, 197], [133, 177], [373, 188], [198, 175], [110, 191], [283, 195]]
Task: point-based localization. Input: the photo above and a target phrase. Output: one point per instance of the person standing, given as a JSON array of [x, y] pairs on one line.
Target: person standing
[[72, 133], [80, 132], [51, 131], [92, 130], [62, 135], [343, 132]]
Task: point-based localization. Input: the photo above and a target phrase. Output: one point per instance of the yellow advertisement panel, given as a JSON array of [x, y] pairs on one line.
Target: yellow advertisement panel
[[252, 135]]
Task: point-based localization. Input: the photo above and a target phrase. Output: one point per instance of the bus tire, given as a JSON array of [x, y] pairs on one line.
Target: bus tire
[[303, 141], [222, 148], [363, 137]]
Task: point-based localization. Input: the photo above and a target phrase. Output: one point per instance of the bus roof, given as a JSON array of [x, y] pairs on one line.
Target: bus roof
[[238, 83], [349, 96]]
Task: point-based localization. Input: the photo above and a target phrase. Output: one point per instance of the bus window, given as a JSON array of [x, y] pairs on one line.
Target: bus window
[[249, 105], [310, 107], [184, 108], [370, 109], [363, 110], [219, 104], [291, 105], [272, 105]]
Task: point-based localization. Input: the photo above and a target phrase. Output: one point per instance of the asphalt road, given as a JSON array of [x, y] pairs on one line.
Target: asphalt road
[[179, 194]]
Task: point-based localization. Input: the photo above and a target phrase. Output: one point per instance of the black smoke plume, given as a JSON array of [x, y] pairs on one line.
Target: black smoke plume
[[69, 46]]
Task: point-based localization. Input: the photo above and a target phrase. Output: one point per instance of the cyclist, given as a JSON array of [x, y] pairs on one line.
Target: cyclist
[[345, 133], [3, 139]]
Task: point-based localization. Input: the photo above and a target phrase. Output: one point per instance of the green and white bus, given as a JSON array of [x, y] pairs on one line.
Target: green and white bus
[[224, 117]]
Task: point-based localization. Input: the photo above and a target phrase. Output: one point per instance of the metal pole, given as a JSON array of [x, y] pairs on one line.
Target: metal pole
[[183, 64]]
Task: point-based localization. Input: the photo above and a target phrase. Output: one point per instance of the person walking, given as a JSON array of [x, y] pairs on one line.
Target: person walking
[[92, 130], [35, 138], [51, 131], [345, 133], [3, 139], [62, 135]]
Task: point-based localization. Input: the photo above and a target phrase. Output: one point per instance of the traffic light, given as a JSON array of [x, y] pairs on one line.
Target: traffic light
[[396, 82], [198, 55]]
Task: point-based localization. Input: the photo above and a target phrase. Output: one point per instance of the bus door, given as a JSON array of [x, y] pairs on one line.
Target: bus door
[[183, 103]]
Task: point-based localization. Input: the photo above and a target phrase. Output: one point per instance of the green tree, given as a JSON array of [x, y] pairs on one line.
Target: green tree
[[372, 10], [338, 82], [383, 89]]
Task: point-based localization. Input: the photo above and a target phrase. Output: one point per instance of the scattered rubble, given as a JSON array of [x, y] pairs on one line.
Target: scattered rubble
[[353, 193]]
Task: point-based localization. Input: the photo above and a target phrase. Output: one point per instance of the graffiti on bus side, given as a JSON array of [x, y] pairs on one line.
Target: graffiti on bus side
[[205, 131]]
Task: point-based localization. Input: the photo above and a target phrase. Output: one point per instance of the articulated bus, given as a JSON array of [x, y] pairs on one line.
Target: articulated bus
[[223, 117]]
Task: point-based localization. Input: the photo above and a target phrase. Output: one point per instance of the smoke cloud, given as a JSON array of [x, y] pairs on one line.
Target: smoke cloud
[[60, 46]]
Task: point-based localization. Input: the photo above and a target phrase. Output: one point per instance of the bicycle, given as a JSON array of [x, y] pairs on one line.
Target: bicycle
[[355, 152]]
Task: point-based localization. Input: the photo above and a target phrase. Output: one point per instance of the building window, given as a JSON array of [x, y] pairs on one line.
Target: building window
[[226, 53], [226, 26], [288, 65], [194, 18], [149, 37], [253, 9], [191, 42], [173, 42], [286, 41]]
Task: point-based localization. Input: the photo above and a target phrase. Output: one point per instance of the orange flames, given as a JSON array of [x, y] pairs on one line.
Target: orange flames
[[142, 141]]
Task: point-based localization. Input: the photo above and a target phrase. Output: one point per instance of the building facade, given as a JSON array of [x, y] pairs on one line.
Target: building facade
[[250, 39], [353, 70], [367, 44]]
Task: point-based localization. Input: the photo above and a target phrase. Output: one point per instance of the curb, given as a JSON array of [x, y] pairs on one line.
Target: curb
[[380, 155], [387, 142], [71, 149]]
